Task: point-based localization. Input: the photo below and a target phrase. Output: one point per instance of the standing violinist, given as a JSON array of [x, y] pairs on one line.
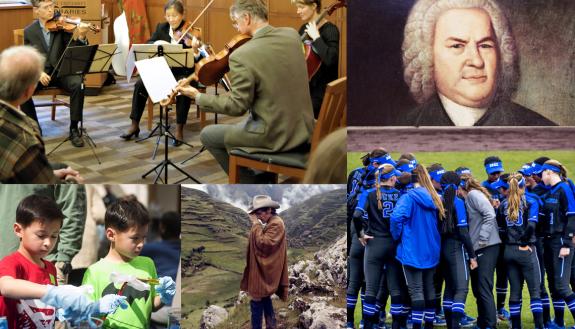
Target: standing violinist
[[52, 44], [324, 39], [269, 82], [169, 31]]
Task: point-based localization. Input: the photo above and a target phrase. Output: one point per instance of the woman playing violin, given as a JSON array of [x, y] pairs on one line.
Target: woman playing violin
[[324, 38], [169, 31], [52, 45]]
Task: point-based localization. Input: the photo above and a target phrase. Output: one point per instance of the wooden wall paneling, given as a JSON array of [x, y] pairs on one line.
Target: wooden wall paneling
[[155, 11], [13, 17]]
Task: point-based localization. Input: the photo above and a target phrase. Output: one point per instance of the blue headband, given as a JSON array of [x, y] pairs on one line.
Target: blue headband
[[526, 170], [501, 183], [436, 175], [493, 167], [551, 167], [390, 174], [383, 159], [406, 167], [535, 168], [445, 187], [463, 171]]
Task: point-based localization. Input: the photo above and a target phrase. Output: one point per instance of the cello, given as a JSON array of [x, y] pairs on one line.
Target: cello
[[312, 59]]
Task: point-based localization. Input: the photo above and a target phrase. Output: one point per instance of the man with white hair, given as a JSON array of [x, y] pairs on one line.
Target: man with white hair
[[22, 154], [461, 66]]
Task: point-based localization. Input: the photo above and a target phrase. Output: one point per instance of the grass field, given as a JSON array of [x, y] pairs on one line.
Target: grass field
[[512, 160]]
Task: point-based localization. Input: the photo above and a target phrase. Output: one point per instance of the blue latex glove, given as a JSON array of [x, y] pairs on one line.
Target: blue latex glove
[[108, 304], [166, 289], [67, 297]]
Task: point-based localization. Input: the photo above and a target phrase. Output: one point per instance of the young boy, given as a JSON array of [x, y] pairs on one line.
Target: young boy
[[126, 223], [29, 296]]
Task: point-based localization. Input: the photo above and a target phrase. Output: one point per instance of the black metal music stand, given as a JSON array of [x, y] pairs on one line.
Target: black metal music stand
[[162, 127], [77, 61], [164, 165]]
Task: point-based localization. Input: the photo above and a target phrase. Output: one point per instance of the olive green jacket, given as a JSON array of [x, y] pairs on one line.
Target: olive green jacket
[[269, 81]]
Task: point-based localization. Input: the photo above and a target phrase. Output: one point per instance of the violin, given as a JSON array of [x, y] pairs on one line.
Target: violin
[[213, 68], [68, 24], [187, 33]]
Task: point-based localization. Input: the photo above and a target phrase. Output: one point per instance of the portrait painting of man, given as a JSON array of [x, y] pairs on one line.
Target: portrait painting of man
[[461, 63]]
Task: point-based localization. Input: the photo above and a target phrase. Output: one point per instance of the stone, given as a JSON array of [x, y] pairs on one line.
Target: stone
[[213, 316]]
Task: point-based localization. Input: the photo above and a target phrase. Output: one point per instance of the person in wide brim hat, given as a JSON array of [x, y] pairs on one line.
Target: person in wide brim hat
[[262, 201], [266, 272]]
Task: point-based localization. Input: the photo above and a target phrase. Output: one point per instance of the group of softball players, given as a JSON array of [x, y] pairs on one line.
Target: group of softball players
[[420, 235]]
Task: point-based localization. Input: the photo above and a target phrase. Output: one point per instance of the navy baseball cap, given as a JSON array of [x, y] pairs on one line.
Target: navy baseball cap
[[494, 167], [436, 175]]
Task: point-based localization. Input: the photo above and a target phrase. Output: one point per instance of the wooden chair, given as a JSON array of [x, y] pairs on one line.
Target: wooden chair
[[331, 116], [200, 114], [50, 91]]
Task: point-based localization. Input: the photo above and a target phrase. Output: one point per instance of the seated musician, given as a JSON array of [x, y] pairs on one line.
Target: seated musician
[[168, 32], [324, 39], [52, 46], [269, 82]]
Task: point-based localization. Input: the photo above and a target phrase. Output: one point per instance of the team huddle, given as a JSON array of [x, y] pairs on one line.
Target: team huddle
[[420, 235]]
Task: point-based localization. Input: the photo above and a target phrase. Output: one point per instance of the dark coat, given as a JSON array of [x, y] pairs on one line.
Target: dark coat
[[432, 113]]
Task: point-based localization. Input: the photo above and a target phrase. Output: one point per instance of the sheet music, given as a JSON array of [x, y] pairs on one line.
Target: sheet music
[[103, 58], [157, 77], [175, 55]]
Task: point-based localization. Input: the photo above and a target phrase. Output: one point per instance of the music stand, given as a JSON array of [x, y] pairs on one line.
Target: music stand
[[159, 81], [77, 61], [176, 57]]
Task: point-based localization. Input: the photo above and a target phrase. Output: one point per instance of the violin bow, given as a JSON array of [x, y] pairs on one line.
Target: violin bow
[[195, 20]]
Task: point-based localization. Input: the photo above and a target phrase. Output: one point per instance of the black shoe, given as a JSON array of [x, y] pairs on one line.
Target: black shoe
[[177, 142], [75, 138], [129, 136]]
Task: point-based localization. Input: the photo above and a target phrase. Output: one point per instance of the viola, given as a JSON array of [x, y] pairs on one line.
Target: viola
[[68, 24], [313, 61], [212, 69]]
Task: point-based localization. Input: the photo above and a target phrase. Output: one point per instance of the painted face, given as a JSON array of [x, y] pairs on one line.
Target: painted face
[[45, 10], [129, 244], [39, 238], [306, 12], [465, 57], [173, 17]]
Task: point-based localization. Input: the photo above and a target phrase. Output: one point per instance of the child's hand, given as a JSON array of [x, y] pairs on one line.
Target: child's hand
[[71, 301], [166, 289], [109, 304]]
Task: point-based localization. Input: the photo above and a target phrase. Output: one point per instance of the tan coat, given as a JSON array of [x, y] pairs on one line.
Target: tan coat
[[266, 271]]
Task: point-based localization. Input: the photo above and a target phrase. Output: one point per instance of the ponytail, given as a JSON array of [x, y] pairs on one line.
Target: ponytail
[[383, 170], [563, 170], [515, 196], [424, 180], [470, 183]]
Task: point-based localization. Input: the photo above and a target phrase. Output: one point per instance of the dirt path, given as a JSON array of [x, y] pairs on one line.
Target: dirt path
[[437, 139]]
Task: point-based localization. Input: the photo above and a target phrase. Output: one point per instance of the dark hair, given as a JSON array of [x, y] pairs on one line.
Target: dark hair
[[38, 208], [541, 160], [365, 159], [177, 4], [126, 213], [407, 156], [311, 2], [449, 195], [378, 152], [36, 3], [434, 167], [491, 159], [265, 209], [171, 225]]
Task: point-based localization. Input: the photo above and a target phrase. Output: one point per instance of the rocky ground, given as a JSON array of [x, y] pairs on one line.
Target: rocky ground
[[317, 296]]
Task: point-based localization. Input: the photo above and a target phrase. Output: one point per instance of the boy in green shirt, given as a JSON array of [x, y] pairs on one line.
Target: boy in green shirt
[[126, 223]]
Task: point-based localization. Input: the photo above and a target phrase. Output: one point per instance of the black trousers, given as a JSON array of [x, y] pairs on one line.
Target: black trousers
[[455, 270], [140, 98], [73, 85], [378, 252], [501, 281], [482, 286], [355, 265], [558, 269], [419, 283]]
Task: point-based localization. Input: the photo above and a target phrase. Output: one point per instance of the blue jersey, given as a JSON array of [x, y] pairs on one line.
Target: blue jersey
[[518, 232], [378, 219], [447, 229], [559, 210], [495, 195]]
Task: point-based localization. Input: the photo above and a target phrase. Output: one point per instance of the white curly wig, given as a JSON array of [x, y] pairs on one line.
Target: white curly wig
[[418, 46]]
